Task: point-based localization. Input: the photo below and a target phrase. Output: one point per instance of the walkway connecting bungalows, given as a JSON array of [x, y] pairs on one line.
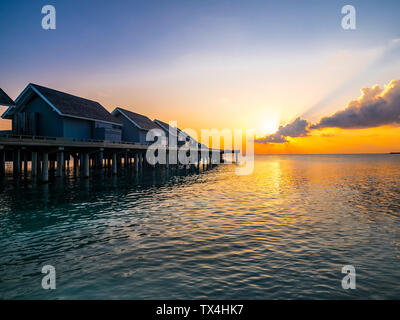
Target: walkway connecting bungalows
[[50, 127]]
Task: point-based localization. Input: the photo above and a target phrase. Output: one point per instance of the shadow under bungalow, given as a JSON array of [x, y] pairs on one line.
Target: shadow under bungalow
[[50, 128]]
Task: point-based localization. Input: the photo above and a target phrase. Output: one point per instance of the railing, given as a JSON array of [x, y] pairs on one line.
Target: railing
[[26, 137], [44, 138], [19, 136]]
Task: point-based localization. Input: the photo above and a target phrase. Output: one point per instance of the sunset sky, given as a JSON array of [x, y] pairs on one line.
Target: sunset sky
[[221, 64]]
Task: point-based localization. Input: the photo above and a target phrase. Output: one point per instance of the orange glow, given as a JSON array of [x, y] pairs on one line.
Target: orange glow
[[373, 140]]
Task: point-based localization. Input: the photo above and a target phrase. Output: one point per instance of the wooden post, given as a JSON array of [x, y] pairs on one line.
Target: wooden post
[[60, 163], [17, 161], [76, 162], [3, 163], [34, 163], [58, 172], [114, 163], [101, 157], [237, 157], [119, 159], [39, 164], [45, 169], [141, 161], [136, 162], [86, 165], [66, 162], [81, 161], [25, 163]]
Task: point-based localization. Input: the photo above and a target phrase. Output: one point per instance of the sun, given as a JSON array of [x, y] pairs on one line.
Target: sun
[[268, 124]]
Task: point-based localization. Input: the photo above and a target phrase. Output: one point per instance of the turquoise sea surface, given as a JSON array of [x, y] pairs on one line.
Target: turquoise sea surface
[[283, 232]]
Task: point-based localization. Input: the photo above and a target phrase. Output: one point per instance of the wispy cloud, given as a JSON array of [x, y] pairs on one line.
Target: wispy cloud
[[361, 63]]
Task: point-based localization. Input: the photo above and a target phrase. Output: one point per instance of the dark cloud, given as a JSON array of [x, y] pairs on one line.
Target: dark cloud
[[297, 128], [375, 107]]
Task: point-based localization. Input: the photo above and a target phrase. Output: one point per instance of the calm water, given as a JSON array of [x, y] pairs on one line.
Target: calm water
[[283, 232]]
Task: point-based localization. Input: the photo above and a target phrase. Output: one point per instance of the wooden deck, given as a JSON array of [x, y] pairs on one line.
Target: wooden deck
[[47, 152]]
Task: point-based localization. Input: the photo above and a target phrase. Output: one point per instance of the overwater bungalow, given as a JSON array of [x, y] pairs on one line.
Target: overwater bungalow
[[174, 133], [41, 111], [50, 127], [5, 101], [135, 125]]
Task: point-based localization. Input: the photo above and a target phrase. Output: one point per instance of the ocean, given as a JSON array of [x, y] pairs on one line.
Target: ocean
[[283, 232]]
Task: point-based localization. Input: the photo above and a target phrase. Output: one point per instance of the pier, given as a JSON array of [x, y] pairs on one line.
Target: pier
[[53, 131], [38, 156]]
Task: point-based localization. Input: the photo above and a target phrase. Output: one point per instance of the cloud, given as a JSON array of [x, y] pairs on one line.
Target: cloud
[[297, 128], [374, 108]]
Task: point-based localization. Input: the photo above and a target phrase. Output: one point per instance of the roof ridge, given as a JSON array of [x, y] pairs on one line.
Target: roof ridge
[[38, 86], [140, 120], [139, 114], [70, 105]]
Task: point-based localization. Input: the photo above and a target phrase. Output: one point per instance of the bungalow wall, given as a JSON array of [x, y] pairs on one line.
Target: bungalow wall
[[131, 133], [142, 136], [78, 129], [47, 122], [107, 131], [38, 118]]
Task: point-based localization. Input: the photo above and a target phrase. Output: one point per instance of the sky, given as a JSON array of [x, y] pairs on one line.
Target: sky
[[264, 65]]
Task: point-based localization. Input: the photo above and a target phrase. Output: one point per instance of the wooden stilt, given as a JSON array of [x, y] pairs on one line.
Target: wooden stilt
[[17, 161], [86, 165], [3, 163], [34, 164], [25, 163], [45, 168], [60, 163], [136, 162], [114, 163]]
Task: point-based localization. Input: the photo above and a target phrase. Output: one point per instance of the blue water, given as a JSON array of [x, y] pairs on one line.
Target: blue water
[[284, 232]]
